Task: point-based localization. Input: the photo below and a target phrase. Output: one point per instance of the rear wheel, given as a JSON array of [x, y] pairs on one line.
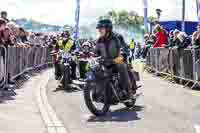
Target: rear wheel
[[98, 105]]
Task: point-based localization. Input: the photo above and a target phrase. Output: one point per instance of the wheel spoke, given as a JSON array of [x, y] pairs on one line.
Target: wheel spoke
[[97, 102]]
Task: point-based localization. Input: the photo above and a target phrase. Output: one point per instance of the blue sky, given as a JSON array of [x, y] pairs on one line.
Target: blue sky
[[62, 11]]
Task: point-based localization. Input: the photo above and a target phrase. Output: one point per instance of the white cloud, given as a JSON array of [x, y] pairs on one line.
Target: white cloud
[[62, 11]]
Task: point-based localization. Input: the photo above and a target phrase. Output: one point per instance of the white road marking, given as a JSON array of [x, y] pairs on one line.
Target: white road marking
[[86, 116], [197, 128], [53, 124], [196, 94]]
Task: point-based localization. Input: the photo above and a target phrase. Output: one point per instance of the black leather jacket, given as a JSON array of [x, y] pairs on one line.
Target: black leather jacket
[[108, 47]]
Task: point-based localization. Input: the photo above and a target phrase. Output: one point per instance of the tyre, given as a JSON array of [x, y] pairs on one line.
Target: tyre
[[130, 104], [90, 102], [83, 70], [66, 77]]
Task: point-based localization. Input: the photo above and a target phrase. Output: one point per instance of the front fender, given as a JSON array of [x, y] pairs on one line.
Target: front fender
[[90, 77]]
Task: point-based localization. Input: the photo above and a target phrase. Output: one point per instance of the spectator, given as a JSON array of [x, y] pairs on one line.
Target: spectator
[[146, 38], [138, 50], [161, 37], [196, 38], [4, 16], [2, 28], [149, 43], [53, 43], [4, 39], [17, 36], [7, 37], [31, 39], [132, 48], [183, 41], [175, 38], [23, 35], [170, 40]]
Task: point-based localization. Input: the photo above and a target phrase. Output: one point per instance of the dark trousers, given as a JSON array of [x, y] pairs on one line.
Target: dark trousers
[[132, 53], [124, 76], [144, 52], [73, 67], [58, 72]]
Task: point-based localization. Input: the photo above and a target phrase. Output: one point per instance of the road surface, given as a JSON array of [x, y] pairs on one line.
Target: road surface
[[163, 108]]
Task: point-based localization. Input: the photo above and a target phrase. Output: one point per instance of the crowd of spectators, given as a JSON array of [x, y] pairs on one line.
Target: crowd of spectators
[[13, 35], [175, 39]]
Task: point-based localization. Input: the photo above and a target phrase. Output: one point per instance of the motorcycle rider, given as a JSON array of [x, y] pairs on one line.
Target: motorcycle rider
[[124, 48], [65, 44], [86, 50], [108, 46], [85, 54]]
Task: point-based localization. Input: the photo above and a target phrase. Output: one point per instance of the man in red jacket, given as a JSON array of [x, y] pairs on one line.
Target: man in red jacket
[[161, 37], [2, 28]]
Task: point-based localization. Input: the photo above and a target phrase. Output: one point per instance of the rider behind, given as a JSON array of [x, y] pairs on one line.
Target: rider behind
[[66, 44]]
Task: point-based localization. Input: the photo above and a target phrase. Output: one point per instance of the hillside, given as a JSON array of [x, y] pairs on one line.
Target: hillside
[[35, 26]]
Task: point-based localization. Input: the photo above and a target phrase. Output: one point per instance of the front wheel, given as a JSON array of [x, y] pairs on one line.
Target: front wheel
[[66, 77], [130, 104], [97, 103]]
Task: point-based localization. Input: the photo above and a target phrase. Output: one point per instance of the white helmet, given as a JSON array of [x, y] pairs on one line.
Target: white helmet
[[87, 43]]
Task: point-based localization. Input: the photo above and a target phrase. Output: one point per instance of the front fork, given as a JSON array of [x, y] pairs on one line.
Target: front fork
[[112, 91]]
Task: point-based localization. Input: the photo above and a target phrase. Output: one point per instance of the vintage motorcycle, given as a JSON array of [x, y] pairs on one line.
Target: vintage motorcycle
[[102, 87], [84, 59], [65, 59], [66, 69]]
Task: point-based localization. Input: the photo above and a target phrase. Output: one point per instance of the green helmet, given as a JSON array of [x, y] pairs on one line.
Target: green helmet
[[104, 23]]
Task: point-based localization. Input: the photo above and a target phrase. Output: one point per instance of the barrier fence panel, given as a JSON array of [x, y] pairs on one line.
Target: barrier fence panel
[[163, 62], [196, 66], [2, 66], [175, 62], [148, 58], [23, 59], [158, 59], [153, 58], [14, 61], [181, 63], [186, 64]]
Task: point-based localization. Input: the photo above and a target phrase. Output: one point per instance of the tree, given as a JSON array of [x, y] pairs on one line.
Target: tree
[[101, 17], [152, 19], [125, 19], [112, 15]]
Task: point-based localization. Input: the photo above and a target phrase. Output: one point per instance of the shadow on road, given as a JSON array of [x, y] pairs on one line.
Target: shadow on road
[[7, 96], [120, 115], [71, 89]]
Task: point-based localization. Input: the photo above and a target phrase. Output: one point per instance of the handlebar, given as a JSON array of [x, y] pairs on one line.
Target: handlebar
[[102, 60]]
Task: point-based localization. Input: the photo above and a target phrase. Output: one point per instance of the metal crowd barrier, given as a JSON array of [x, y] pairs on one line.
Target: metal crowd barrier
[[3, 70], [16, 60], [179, 63], [21, 60]]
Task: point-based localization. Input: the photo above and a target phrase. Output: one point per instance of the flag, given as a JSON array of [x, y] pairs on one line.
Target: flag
[[77, 14], [146, 15], [198, 9]]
